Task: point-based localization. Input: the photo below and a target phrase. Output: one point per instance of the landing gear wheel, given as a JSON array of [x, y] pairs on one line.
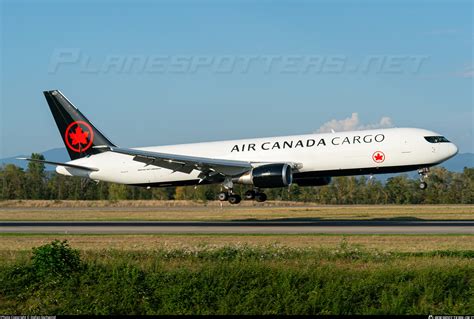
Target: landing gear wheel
[[260, 197], [234, 199], [423, 172], [223, 196], [249, 195]]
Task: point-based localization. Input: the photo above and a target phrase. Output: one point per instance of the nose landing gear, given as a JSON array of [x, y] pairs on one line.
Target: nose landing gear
[[423, 172]]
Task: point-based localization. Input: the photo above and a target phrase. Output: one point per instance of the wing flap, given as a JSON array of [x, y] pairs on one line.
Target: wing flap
[[184, 163], [172, 165]]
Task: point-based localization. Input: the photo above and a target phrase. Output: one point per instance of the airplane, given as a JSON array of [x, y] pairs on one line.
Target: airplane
[[260, 163]]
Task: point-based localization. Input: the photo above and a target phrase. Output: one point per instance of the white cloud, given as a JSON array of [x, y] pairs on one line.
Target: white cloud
[[383, 123], [346, 124], [353, 123]]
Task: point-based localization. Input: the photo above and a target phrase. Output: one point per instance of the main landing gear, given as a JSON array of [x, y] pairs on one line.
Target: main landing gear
[[423, 172], [255, 195], [229, 196], [235, 199]]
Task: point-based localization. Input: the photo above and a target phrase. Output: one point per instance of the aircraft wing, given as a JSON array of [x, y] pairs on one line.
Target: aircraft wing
[[185, 163]]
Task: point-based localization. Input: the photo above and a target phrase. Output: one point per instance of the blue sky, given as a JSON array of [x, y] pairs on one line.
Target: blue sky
[[367, 53]]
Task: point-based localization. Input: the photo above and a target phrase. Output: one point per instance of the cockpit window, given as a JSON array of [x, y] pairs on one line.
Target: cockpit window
[[436, 139]]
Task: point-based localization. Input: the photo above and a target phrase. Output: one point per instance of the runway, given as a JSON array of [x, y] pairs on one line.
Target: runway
[[285, 226]]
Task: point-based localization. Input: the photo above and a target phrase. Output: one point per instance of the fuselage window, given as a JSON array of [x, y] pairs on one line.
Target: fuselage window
[[436, 139]]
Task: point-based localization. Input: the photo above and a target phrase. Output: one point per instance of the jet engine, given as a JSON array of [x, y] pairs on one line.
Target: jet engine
[[268, 176]]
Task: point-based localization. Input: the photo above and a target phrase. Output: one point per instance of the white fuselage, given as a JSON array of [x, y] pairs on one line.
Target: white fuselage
[[341, 153]]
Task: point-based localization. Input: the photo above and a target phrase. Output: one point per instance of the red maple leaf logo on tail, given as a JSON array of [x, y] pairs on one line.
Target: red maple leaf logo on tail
[[79, 136]]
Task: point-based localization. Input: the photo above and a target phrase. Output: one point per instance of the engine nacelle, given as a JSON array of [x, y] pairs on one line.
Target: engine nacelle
[[268, 176], [313, 181]]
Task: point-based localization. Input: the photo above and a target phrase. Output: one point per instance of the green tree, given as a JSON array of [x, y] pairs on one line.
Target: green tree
[[13, 182], [399, 190], [375, 193], [438, 183], [467, 186], [181, 193], [163, 193], [35, 178], [118, 192]]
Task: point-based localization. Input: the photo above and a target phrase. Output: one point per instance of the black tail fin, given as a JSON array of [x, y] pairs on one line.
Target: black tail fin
[[78, 134]]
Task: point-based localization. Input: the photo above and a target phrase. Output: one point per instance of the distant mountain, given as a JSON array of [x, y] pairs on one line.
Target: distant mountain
[[455, 164]]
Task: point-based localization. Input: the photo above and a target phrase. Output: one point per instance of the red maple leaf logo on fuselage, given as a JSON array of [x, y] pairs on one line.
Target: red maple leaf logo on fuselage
[[378, 157], [79, 136]]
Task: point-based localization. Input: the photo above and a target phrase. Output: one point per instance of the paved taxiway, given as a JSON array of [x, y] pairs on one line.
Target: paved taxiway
[[245, 227]]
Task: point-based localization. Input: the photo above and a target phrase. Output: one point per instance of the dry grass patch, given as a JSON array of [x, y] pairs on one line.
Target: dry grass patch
[[399, 243], [186, 210]]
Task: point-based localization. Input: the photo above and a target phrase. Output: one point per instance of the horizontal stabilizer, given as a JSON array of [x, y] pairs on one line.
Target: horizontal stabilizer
[[60, 164]]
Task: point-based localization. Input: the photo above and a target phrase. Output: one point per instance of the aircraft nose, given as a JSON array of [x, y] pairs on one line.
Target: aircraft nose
[[453, 149]]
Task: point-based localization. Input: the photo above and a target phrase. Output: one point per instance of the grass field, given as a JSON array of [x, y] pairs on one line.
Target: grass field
[[236, 273], [185, 210], [11, 243], [241, 280]]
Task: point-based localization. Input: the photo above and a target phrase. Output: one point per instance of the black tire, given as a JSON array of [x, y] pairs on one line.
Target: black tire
[[222, 196], [249, 195], [234, 199], [423, 185], [260, 197]]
